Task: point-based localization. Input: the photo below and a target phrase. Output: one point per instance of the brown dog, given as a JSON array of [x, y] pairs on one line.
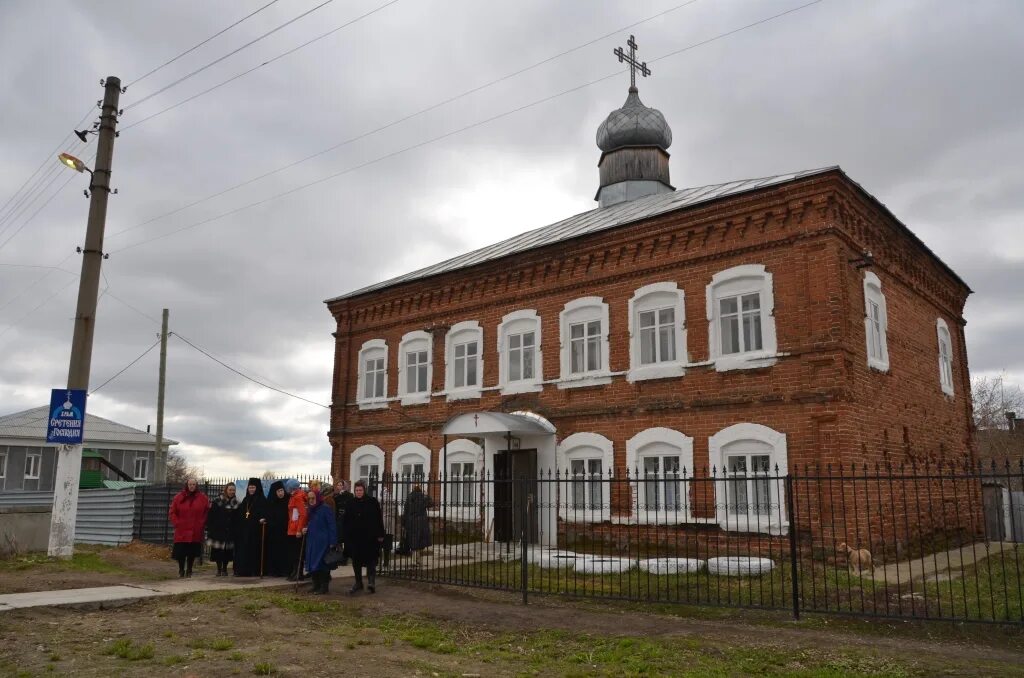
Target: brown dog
[[856, 558]]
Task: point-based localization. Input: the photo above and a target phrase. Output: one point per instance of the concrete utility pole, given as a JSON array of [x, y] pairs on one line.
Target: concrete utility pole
[[158, 458], [69, 457]]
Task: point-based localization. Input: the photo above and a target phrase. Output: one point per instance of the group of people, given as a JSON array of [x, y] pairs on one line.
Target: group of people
[[293, 532]]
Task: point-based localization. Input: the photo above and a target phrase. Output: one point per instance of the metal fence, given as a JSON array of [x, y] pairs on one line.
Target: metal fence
[[905, 542], [104, 516]]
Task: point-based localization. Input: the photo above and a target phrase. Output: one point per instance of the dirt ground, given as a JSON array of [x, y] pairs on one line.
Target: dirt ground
[[92, 566]]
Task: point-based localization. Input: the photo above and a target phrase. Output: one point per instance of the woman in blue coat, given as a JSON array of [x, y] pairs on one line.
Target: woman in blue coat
[[321, 536]]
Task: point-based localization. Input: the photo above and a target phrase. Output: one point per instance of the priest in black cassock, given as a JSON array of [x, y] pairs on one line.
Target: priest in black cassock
[[251, 531]]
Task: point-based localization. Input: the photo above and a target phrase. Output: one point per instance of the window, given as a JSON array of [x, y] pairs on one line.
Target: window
[[32, 464], [411, 464], [876, 323], [460, 487], [584, 343], [657, 330], [462, 478], [415, 367], [741, 318], [373, 374], [367, 464], [465, 365], [521, 368], [585, 466], [141, 468], [3, 465], [945, 357], [660, 462], [751, 465]]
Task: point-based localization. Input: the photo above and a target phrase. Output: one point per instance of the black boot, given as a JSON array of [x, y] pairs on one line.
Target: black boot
[[181, 568], [358, 585], [371, 581], [315, 576], [325, 583]]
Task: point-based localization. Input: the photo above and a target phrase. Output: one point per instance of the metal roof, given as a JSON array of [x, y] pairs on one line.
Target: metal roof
[[496, 422], [31, 424], [595, 220]]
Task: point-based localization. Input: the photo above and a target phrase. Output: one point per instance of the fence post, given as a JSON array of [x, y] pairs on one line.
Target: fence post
[[792, 545], [142, 512], [524, 532]]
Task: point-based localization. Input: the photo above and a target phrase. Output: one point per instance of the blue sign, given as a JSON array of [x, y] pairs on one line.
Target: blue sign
[[67, 416]]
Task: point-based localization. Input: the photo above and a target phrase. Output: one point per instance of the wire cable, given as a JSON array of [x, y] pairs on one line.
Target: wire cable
[[40, 279], [200, 44], [389, 125], [246, 376], [126, 367], [451, 133]]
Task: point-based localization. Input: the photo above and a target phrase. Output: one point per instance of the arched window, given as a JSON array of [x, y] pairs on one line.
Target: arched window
[[945, 357], [657, 332], [415, 367], [750, 462], [876, 323], [460, 490], [583, 324], [521, 369], [372, 383], [410, 465], [464, 362], [585, 466], [741, 318], [660, 462], [367, 464]]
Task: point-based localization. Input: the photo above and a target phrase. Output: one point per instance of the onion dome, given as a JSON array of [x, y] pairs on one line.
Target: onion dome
[[634, 125]]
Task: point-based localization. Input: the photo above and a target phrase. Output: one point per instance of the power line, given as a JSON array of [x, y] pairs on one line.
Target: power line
[[393, 123], [456, 131], [36, 308], [229, 54], [126, 367], [32, 192], [255, 68], [40, 279], [200, 44], [246, 376]]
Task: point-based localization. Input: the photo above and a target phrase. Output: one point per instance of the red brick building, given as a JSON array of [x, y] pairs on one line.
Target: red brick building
[[776, 322]]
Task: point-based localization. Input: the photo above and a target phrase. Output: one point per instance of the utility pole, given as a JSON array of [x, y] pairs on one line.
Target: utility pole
[[69, 457], [159, 459]]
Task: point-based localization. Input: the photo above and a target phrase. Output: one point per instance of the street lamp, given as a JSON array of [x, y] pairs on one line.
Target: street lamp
[[73, 162]]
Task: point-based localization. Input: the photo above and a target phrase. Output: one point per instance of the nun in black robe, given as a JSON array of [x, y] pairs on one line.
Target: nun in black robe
[[251, 521], [277, 560]]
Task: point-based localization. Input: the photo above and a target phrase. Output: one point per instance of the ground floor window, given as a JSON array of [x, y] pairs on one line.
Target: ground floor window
[[463, 483], [587, 484], [661, 486], [32, 464], [748, 488], [660, 464], [141, 468], [750, 492]]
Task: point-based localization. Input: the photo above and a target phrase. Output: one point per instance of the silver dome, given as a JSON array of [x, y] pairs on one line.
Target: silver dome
[[634, 125]]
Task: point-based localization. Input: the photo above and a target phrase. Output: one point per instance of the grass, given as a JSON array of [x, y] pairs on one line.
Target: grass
[[126, 649], [264, 669], [81, 561]]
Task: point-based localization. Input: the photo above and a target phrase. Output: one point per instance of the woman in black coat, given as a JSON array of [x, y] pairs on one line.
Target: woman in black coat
[[342, 496], [364, 533], [277, 531], [251, 522], [416, 522], [220, 528]]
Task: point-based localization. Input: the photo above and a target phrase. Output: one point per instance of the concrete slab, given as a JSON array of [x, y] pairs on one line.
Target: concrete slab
[[939, 566], [73, 596]]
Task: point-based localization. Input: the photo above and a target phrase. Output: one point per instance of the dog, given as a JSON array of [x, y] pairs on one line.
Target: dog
[[856, 559]]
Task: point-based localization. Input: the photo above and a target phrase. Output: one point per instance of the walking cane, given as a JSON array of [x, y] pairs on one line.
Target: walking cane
[[263, 547], [298, 567]]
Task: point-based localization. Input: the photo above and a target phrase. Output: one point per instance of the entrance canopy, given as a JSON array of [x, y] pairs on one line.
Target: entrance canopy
[[478, 423]]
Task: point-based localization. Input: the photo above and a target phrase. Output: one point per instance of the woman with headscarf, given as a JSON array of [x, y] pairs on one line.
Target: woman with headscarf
[[416, 521], [188, 516], [220, 528], [364, 534], [296, 523], [277, 560], [249, 535], [342, 496], [320, 538]]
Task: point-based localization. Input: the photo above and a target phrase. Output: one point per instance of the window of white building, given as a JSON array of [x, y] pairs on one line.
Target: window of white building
[[415, 367], [141, 468], [464, 360], [741, 318], [373, 374], [945, 357], [657, 332], [33, 462], [660, 462], [460, 489], [410, 463], [584, 343], [585, 466], [750, 462], [521, 368], [367, 464], [876, 323], [3, 465]]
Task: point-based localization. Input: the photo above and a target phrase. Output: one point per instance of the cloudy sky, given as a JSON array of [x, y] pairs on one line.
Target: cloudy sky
[[917, 100]]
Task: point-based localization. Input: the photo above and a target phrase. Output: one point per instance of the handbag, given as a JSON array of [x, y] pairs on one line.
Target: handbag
[[333, 557]]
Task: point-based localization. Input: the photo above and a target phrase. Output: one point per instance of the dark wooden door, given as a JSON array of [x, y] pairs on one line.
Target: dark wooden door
[[992, 497], [515, 490]]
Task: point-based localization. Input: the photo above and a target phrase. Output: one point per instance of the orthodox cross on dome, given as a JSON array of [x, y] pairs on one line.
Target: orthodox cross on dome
[[630, 59]]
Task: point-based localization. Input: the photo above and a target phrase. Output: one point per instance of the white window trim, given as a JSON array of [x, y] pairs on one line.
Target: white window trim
[[460, 450], [634, 456], [779, 457], [366, 454], [38, 465], [3, 465], [371, 403], [873, 290], [637, 304], [940, 327], [135, 468], [410, 453], [409, 339], [759, 280], [577, 446], [518, 319], [574, 312], [467, 328]]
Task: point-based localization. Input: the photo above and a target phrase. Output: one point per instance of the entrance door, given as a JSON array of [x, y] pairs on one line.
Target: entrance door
[[515, 488]]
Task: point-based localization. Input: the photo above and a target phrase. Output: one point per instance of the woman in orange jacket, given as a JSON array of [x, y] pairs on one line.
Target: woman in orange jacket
[[297, 518]]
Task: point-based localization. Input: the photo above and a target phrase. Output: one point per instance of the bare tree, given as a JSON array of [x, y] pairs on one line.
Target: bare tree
[[270, 474], [992, 400], [178, 468]]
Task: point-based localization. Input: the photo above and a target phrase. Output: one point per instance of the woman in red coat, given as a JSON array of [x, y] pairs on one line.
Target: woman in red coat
[[188, 515]]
